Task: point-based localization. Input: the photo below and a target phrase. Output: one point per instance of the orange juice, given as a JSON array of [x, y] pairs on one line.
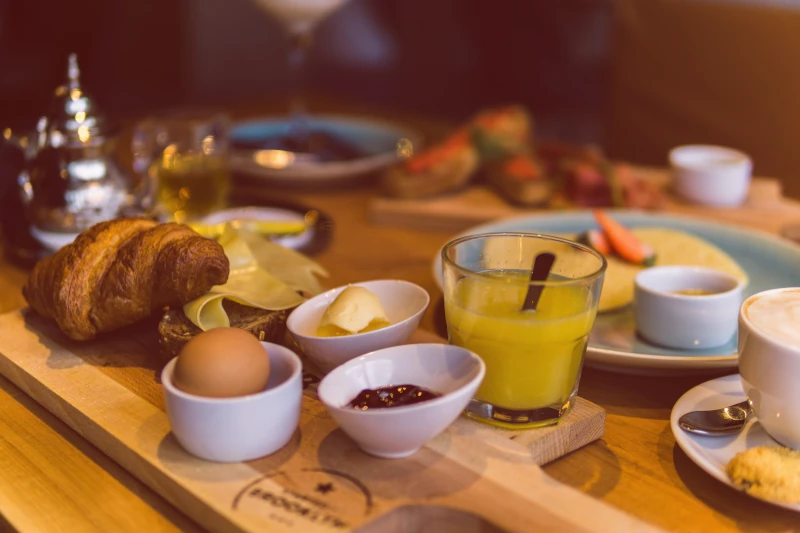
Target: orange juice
[[533, 358]]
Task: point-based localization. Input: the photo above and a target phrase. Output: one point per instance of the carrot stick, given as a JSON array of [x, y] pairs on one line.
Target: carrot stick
[[596, 239], [624, 242]]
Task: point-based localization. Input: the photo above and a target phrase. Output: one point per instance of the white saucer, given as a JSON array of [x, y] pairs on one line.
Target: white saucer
[[52, 240], [712, 454], [268, 214]]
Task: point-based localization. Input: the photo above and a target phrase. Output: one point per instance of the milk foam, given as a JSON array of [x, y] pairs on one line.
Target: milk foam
[[777, 315]]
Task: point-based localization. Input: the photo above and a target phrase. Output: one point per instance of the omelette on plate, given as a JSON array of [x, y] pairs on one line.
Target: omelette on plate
[[671, 247]]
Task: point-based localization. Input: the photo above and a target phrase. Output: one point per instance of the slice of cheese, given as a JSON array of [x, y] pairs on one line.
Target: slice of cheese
[[293, 268], [250, 283]]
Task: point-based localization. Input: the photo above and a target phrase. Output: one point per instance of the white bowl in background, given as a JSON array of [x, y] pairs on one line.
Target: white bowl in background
[[711, 175], [686, 321], [242, 428], [396, 432], [403, 301]]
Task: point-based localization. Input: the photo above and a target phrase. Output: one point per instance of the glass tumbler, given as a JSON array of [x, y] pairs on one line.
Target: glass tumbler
[[533, 357], [183, 159]]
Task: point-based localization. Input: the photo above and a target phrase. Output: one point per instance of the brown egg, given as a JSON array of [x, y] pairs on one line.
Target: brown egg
[[222, 363]]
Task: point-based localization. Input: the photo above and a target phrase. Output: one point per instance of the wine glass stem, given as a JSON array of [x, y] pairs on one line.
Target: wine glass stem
[[298, 55]]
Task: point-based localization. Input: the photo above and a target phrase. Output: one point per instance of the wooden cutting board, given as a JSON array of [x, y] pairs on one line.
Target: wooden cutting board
[[764, 208], [471, 478]]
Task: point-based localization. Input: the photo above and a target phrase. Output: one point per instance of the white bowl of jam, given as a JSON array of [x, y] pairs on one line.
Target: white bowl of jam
[[686, 307], [392, 401]]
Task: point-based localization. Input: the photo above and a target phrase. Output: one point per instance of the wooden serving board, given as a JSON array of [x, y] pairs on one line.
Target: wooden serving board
[[471, 478], [765, 207]]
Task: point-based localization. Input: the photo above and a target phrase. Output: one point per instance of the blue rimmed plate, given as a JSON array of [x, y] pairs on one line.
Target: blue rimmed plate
[[376, 139], [769, 261]]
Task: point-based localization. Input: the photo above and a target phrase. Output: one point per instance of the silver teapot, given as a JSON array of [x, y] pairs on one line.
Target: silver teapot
[[71, 179]]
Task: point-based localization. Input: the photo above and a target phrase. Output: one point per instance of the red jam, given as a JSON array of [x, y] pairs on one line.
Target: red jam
[[394, 396]]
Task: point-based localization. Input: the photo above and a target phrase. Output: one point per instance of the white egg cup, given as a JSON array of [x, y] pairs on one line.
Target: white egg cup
[[404, 302], [396, 432], [711, 175], [686, 321], [230, 430]]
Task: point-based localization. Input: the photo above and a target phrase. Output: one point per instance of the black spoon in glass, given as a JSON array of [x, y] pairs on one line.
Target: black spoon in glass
[[541, 269]]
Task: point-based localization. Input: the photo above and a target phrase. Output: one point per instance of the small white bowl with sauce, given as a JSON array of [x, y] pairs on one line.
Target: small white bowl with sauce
[[711, 175], [404, 303], [452, 372], [686, 307]]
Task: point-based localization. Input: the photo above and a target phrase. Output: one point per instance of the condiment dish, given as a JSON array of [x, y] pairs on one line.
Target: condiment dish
[[711, 175], [242, 428], [396, 432], [686, 307], [403, 301]]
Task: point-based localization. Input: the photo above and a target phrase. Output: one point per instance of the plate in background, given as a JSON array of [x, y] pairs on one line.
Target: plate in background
[[769, 261], [376, 138], [311, 242], [272, 214]]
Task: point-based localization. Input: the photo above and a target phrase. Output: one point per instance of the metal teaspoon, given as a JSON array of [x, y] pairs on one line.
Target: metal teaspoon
[[717, 422]]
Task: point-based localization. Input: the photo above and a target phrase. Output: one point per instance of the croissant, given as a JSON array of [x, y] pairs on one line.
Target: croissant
[[118, 272]]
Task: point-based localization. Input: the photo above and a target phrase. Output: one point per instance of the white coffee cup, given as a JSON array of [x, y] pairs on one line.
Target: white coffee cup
[[769, 361]]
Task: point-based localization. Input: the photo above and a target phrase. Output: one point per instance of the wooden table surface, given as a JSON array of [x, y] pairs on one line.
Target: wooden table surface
[[53, 480]]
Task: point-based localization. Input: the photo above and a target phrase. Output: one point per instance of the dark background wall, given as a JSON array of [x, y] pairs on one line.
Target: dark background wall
[[635, 76], [443, 58]]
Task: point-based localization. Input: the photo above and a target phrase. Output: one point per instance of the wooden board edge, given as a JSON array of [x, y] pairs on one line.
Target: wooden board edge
[[477, 205], [109, 443], [588, 427], [145, 464]]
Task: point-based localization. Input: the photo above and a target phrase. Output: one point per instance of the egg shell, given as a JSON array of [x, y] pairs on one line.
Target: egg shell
[[222, 363]]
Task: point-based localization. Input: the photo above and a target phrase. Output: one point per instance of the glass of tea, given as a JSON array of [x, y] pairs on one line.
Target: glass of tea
[[183, 163]]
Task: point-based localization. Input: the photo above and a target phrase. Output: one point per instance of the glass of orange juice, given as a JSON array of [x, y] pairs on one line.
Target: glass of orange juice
[[533, 357]]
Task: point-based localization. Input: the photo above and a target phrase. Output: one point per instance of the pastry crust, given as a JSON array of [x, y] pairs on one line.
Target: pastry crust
[[768, 472], [119, 272]]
